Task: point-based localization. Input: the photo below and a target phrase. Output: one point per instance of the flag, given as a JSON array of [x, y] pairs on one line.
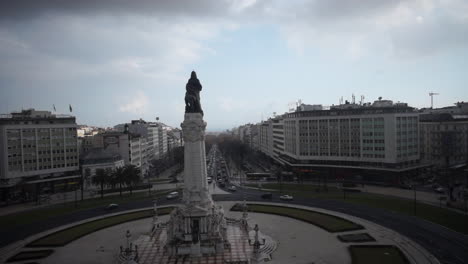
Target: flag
[[55, 110], [71, 109]]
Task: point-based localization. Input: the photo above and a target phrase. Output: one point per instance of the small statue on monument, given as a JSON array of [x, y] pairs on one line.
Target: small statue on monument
[[192, 95]]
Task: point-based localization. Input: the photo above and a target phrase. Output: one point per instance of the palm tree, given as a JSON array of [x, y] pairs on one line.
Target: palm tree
[[132, 176], [100, 178]]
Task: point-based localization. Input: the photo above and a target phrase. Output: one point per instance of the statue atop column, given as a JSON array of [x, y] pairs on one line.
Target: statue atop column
[[192, 95]]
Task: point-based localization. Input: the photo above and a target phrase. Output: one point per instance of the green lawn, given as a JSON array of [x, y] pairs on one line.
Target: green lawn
[[66, 236], [31, 216], [328, 222], [30, 255], [382, 254], [441, 216], [154, 180]]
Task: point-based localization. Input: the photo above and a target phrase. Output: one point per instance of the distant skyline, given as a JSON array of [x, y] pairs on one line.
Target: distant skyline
[[117, 60]]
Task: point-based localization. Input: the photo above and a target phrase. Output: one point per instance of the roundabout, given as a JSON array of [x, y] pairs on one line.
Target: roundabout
[[298, 241]]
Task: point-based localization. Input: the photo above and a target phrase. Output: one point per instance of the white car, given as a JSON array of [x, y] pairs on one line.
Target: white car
[[286, 197], [232, 188], [439, 190], [112, 206], [172, 195]]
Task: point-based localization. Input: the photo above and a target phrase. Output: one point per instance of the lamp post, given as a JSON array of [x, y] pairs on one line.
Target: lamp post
[[256, 245]]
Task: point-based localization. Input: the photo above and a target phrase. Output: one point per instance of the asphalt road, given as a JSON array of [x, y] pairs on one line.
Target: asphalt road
[[447, 245]]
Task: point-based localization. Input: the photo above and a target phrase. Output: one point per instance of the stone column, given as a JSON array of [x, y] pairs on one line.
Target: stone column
[[195, 180]]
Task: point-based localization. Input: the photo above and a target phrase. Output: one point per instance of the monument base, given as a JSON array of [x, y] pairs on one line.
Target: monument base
[[195, 231]]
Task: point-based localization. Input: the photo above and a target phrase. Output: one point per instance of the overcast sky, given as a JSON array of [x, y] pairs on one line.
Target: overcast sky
[[118, 60]]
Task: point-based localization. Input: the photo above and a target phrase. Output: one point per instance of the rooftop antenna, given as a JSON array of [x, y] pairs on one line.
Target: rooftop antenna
[[341, 100], [362, 100], [431, 94], [291, 106], [354, 99]]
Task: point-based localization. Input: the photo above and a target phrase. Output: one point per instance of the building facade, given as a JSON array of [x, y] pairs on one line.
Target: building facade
[[372, 136], [37, 148], [378, 140], [444, 139]]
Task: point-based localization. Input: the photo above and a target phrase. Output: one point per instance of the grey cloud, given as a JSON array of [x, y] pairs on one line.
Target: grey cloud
[[431, 36], [339, 9], [26, 9]]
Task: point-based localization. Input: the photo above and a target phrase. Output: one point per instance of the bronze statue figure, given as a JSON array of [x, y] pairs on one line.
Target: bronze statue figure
[[192, 95]]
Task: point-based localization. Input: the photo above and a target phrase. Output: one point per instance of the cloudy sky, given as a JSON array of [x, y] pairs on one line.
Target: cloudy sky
[[117, 60]]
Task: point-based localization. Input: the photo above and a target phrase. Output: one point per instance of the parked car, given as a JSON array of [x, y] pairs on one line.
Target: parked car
[[232, 188], [267, 196], [210, 180], [112, 206], [172, 195], [286, 197], [440, 190]]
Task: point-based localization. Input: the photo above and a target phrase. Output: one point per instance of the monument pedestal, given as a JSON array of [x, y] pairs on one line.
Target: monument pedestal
[[198, 226]]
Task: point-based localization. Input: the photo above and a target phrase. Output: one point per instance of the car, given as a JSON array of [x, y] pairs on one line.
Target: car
[[267, 196], [112, 206], [232, 188], [210, 180], [286, 197], [174, 180], [440, 190], [172, 195]]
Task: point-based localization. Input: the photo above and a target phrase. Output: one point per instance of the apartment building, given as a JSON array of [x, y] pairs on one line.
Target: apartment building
[[38, 149]]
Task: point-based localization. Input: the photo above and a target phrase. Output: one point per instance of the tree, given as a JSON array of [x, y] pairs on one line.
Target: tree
[[132, 176], [100, 178], [118, 177], [85, 177]]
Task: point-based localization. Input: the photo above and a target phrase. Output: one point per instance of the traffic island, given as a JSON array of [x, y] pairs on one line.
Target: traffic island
[[30, 255], [328, 222], [65, 236], [356, 238], [382, 254]]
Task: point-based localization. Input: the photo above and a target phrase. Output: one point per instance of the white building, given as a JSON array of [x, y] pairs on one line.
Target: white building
[[377, 142], [381, 135], [37, 148]]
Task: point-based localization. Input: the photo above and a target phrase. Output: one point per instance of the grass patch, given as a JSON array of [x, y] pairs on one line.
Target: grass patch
[[30, 255], [382, 254], [156, 180], [356, 238], [40, 214], [441, 216], [328, 222], [63, 237]]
